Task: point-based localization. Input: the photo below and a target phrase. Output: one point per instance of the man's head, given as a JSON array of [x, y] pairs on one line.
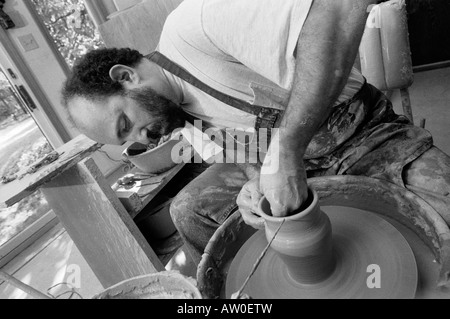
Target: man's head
[[115, 95]]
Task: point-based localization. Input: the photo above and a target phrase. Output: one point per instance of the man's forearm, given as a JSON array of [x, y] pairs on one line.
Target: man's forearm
[[326, 51]]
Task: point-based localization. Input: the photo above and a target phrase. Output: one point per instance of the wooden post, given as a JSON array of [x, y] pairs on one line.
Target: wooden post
[[99, 225]]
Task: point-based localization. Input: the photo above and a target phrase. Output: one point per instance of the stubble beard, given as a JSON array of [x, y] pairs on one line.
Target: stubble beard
[[166, 115]]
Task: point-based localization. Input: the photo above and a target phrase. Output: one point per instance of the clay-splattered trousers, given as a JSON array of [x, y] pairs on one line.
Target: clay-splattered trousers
[[378, 143]]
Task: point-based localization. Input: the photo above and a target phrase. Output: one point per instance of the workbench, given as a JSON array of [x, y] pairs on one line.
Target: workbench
[[93, 214]]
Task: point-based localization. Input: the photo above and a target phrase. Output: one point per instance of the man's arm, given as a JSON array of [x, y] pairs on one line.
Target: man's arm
[[326, 51]]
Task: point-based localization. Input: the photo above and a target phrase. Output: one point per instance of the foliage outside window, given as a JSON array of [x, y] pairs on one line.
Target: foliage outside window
[[69, 24]]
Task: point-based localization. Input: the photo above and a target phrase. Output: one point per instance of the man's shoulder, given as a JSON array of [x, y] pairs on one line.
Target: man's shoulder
[[187, 13], [183, 36], [182, 26]]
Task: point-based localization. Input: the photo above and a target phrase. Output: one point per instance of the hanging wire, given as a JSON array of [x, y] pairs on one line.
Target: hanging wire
[[240, 143], [128, 165], [72, 291]]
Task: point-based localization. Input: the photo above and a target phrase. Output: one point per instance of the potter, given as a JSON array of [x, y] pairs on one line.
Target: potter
[[245, 75]]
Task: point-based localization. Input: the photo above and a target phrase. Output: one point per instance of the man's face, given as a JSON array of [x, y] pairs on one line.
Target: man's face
[[140, 115]]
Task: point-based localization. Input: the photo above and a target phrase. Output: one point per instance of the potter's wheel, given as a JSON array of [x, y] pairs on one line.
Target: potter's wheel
[[364, 245]]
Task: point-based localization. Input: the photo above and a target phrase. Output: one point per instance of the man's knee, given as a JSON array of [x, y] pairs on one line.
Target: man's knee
[[210, 197], [430, 171], [429, 178], [181, 207]]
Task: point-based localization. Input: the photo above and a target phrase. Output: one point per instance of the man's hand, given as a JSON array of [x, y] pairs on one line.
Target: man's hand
[[248, 200], [283, 179]]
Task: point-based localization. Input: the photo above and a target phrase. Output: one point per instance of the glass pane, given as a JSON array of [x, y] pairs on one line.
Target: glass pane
[[21, 144], [69, 25]]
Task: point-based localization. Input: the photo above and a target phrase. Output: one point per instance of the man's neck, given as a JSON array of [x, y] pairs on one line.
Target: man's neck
[[155, 76]]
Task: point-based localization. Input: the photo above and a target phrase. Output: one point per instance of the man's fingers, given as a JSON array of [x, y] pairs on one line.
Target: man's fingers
[[255, 198], [247, 201], [251, 219], [277, 203], [243, 200]]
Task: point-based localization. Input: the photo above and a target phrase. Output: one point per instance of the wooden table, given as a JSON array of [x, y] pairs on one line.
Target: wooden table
[[91, 212]]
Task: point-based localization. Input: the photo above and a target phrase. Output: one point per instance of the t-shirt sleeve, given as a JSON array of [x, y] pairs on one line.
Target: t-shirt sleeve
[[261, 34]]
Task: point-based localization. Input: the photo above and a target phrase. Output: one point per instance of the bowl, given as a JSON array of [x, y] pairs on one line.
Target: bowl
[[159, 159]]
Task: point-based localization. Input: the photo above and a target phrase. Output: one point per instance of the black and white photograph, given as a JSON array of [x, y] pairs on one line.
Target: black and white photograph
[[231, 156]]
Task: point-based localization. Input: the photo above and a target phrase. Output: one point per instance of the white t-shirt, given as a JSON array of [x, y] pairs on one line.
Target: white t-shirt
[[243, 48]]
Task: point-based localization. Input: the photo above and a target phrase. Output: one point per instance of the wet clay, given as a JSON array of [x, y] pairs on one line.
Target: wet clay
[[360, 256]]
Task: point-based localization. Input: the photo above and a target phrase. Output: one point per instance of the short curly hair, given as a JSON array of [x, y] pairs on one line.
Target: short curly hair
[[90, 74]]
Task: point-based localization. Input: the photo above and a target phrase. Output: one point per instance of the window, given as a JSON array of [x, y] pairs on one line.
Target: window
[[73, 33], [69, 25], [21, 144]]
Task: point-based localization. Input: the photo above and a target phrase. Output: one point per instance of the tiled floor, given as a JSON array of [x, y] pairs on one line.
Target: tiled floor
[[59, 260]]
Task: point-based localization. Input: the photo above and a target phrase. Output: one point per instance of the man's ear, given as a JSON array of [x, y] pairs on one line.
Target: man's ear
[[124, 74]]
